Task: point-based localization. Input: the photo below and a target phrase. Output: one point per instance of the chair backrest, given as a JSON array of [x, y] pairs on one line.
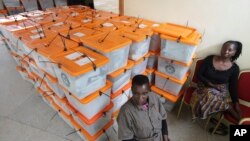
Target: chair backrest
[[243, 85], [1, 5], [11, 3], [60, 3], [198, 63], [13, 6], [45, 4], [3, 12], [30, 5]]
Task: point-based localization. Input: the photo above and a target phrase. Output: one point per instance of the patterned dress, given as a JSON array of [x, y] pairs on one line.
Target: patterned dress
[[207, 100]]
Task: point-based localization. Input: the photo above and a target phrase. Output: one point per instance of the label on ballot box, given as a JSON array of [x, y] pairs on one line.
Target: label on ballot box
[[239, 132]]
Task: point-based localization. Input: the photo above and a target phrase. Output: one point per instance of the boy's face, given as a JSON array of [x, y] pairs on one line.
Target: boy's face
[[140, 94]]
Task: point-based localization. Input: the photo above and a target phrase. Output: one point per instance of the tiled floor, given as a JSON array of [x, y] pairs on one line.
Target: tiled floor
[[25, 117]]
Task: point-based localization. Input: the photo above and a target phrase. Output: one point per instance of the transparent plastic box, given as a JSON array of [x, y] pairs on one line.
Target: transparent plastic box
[[173, 68], [138, 50], [61, 102], [36, 70], [101, 14], [14, 31], [109, 133], [23, 72], [177, 50], [104, 25], [120, 77], [168, 83], [59, 3], [47, 99], [16, 57], [167, 104], [93, 125], [31, 78], [118, 59], [174, 30], [54, 85], [168, 99], [7, 28], [121, 97], [65, 117], [79, 34], [61, 25], [140, 66], [141, 40], [41, 50], [40, 82], [111, 45], [92, 104], [150, 73], [15, 48], [140, 31], [152, 60], [178, 42], [80, 71], [33, 34]]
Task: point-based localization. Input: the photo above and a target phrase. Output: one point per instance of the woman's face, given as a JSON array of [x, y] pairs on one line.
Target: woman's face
[[140, 94], [228, 50]]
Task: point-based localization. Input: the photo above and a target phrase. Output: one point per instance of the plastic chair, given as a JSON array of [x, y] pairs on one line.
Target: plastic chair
[[244, 101], [3, 12], [45, 4], [30, 5], [191, 87], [13, 6], [59, 3]]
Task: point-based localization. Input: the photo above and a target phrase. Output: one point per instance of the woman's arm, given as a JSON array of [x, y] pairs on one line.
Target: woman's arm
[[201, 72], [125, 131], [233, 85], [233, 89], [164, 127], [165, 130]]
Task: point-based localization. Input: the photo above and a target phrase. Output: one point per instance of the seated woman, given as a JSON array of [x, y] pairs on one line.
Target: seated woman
[[218, 76]]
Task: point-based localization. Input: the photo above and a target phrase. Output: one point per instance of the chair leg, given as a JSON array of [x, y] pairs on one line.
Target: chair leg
[[221, 118], [180, 108], [206, 124]]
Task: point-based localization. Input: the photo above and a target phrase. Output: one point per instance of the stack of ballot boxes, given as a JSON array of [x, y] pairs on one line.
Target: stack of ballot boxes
[[178, 46]]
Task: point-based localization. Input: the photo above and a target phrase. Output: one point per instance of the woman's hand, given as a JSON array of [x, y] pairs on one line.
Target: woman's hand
[[165, 138], [214, 86], [237, 108]]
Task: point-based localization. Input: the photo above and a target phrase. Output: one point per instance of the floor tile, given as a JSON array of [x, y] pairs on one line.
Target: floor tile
[[14, 90], [34, 112], [60, 128], [14, 131]]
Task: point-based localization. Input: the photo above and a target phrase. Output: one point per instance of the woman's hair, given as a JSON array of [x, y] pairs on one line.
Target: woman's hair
[[238, 47], [140, 80]]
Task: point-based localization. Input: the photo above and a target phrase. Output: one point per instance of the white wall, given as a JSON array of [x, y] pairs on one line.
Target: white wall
[[107, 5], [221, 20]]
